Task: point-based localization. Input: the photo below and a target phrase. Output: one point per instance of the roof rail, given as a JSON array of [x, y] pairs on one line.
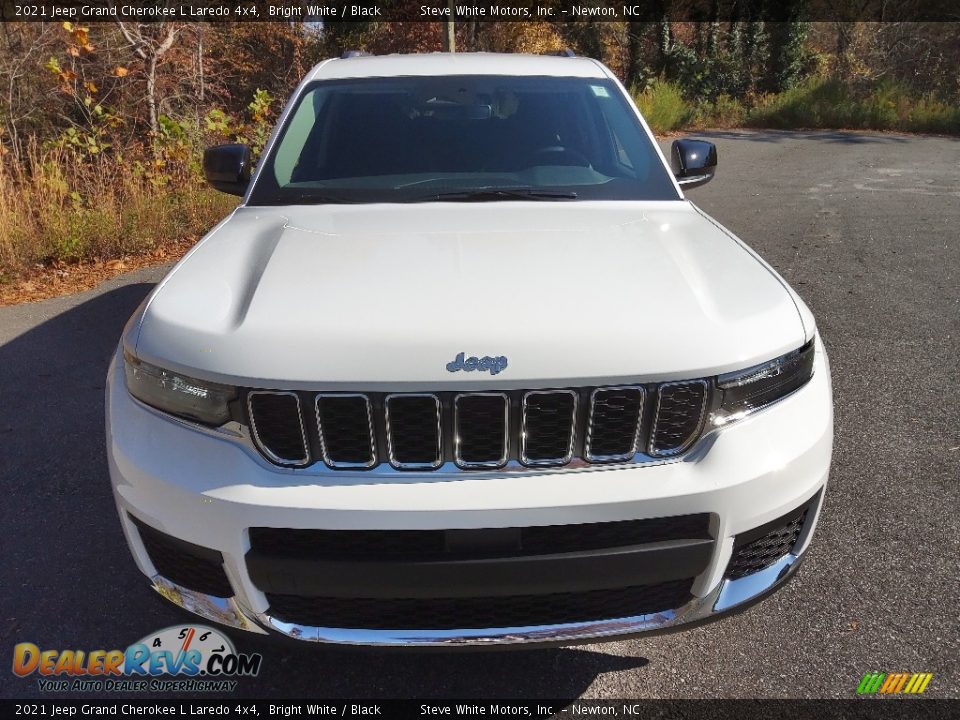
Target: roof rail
[[354, 53], [566, 52]]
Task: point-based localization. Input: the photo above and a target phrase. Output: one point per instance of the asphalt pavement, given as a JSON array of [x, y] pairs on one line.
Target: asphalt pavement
[[864, 226]]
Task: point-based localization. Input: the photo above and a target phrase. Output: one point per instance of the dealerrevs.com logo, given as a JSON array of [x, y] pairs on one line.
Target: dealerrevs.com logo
[[180, 658]]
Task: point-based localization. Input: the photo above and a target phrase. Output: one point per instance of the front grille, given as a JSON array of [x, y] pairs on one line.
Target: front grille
[[345, 425], [414, 431], [481, 438], [480, 612], [615, 418], [549, 427], [191, 566], [422, 545], [278, 426], [478, 430], [679, 416], [752, 553]]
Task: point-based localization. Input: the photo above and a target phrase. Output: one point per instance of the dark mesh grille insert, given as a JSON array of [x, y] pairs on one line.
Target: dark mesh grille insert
[[679, 415], [614, 420], [414, 430], [430, 544], [481, 429], [276, 422], [548, 424], [482, 612], [750, 556], [192, 566], [345, 429]]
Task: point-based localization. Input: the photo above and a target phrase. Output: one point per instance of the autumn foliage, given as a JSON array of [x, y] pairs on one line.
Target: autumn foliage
[[102, 126]]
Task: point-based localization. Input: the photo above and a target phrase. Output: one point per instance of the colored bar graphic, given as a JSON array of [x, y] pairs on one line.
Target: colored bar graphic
[[894, 683], [870, 683]]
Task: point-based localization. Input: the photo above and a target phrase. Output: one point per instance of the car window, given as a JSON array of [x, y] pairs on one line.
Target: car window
[[410, 139]]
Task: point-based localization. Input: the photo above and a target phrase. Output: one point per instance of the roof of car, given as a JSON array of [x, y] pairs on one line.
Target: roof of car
[[457, 64]]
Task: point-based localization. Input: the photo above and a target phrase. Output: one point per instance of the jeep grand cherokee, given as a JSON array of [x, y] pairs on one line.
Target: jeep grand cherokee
[[466, 367]]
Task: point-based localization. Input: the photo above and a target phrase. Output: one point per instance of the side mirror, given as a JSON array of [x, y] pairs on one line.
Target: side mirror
[[227, 168], [693, 161]]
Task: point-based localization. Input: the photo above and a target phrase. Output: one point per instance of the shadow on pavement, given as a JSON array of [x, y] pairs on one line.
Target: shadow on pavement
[[68, 581]]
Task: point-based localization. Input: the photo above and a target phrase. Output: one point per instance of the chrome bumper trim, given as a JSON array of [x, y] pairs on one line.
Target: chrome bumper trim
[[728, 597], [226, 611]]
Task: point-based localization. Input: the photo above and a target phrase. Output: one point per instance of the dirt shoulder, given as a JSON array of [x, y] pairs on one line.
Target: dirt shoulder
[[54, 280]]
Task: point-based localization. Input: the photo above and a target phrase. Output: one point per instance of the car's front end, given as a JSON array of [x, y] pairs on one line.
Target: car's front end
[[428, 424]]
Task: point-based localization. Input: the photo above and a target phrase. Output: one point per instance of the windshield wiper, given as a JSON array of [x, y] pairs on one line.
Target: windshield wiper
[[315, 198], [492, 194]]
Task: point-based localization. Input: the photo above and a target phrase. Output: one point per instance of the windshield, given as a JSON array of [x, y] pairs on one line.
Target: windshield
[[461, 138]]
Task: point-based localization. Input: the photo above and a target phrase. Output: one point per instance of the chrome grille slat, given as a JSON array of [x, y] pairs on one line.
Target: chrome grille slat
[[347, 439], [548, 427], [616, 418], [477, 446], [414, 434]]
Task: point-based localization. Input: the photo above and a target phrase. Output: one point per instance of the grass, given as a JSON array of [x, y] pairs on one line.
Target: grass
[[56, 207], [819, 103]]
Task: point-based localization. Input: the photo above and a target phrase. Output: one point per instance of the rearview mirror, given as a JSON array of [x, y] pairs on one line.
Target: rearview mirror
[[693, 161], [227, 168]]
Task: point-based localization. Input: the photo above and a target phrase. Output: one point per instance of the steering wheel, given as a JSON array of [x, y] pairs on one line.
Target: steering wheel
[[560, 155]]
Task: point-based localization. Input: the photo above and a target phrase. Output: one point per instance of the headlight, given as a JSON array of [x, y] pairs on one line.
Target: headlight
[[748, 390], [177, 394]]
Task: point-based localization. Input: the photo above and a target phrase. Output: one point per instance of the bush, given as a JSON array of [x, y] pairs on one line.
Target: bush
[[57, 207], [725, 112], [86, 195], [828, 103], [664, 107], [819, 103], [933, 116]]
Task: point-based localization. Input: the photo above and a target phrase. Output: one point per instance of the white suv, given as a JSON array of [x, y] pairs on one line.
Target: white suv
[[465, 367]]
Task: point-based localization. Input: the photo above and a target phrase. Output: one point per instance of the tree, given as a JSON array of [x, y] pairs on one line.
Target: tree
[[150, 42], [787, 45]]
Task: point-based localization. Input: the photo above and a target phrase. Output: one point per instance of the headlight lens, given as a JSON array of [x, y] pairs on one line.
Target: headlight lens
[[754, 388], [177, 394]]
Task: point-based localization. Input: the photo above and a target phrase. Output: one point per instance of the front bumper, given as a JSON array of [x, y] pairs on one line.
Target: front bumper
[[214, 488], [728, 598]]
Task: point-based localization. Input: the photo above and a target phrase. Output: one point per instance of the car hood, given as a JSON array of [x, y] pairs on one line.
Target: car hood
[[385, 296]]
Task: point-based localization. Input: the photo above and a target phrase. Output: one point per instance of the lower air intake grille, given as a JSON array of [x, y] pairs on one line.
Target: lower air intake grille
[[481, 612], [191, 566], [421, 545], [753, 553]]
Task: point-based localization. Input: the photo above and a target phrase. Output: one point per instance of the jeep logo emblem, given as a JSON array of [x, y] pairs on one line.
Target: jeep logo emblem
[[493, 365]]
